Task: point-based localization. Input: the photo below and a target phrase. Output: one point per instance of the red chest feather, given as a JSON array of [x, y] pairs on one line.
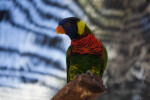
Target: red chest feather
[[87, 45]]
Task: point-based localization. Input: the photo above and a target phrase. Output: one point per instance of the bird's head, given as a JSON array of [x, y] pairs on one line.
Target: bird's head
[[72, 26]]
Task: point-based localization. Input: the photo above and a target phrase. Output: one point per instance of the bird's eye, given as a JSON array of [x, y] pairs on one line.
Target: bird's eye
[[67, 24]]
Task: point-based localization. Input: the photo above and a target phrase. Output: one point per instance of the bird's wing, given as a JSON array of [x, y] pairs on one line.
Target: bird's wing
[[104, 63], [68, 62]]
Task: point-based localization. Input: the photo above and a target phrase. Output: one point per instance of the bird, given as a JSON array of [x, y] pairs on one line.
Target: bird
[[86, 53]]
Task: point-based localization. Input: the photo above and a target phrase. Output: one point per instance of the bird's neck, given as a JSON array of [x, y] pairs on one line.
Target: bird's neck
[[86, 32]]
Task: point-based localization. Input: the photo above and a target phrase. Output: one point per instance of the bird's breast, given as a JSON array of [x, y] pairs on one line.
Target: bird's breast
[[87, 45]]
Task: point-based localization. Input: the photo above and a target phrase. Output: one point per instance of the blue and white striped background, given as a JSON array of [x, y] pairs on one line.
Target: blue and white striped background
[[32, 56]]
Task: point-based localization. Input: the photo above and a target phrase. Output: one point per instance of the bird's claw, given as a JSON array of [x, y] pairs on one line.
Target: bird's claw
[[89, 72], [76, 76]]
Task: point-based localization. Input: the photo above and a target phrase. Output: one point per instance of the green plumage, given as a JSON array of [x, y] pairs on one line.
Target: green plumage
[[80, 63]]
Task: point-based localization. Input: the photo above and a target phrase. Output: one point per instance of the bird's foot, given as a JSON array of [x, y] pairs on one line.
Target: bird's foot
[[89, 72], [76, 76]]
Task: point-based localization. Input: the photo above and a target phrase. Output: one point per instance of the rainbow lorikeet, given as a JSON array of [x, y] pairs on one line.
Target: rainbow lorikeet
[[85, 53]]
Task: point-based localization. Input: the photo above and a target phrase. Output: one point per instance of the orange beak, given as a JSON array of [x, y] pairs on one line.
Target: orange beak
[[60, 30]]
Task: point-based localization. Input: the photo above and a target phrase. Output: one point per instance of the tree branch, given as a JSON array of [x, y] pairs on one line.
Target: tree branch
[[84, 87]]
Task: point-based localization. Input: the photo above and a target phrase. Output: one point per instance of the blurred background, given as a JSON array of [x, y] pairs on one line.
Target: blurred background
[[32, 56]]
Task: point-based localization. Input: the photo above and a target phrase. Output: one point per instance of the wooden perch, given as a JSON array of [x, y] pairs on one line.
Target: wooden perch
[[84, 87]]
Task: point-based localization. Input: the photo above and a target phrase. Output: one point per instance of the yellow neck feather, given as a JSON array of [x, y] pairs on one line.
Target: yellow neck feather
[[81, 26]]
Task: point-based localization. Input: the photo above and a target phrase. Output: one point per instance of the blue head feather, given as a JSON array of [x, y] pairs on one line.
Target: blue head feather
[[70, 26]]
